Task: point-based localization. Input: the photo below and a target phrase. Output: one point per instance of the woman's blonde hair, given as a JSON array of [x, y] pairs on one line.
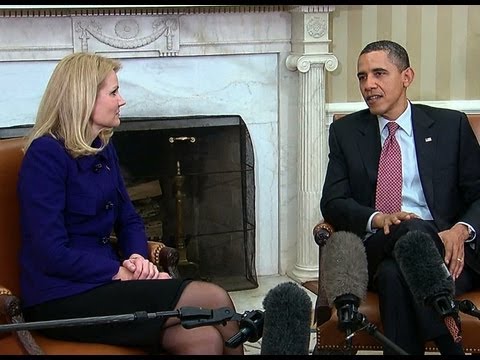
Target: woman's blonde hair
[[67, 104]]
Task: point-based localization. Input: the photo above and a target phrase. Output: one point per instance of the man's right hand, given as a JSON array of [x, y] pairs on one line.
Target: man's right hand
[[384, 221]]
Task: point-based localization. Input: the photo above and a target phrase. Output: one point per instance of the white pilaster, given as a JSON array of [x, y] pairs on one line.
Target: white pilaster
[[310, 57]]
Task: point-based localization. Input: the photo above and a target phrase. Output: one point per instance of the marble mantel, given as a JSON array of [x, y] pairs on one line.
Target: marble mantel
[[265, 63]]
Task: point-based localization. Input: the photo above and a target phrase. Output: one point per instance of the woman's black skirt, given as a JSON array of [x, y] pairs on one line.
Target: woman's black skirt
[[116, 298]]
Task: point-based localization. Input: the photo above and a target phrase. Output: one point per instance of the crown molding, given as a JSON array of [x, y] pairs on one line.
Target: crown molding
[[88, 10]]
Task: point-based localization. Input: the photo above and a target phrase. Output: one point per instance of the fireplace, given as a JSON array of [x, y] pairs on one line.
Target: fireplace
[[192, 181], [264, 64]]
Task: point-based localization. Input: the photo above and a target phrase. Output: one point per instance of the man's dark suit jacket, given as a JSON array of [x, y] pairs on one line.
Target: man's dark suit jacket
[[448, 156]]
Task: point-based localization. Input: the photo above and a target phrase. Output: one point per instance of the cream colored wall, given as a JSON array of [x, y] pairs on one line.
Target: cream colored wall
[[443, 42]]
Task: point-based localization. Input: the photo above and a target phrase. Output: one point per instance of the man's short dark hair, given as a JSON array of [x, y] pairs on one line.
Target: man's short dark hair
[[396, 52]]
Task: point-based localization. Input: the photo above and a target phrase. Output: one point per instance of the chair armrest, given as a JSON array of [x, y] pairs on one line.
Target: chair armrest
[[11, 313], [165, 257], [321, 232], [323, 312]]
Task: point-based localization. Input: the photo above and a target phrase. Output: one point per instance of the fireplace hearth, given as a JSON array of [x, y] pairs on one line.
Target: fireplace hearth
[[192, 181]]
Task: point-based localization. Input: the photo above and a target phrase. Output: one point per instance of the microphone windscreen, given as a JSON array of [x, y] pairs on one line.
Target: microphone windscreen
[[286, 326], [423, 267], [344, 269]]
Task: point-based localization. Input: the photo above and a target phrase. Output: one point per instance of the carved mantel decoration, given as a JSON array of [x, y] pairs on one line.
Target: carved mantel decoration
[[124, 34], [120, 31]]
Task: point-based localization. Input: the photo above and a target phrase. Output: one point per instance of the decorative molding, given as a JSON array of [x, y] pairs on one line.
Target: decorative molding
[[317, 27], [50, 33], [312, 8], [309, 31], [115, 10], [303, 62], [126, 31]]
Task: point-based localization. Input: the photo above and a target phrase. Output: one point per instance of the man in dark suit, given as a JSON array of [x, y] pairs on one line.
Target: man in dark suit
[[440, 191]]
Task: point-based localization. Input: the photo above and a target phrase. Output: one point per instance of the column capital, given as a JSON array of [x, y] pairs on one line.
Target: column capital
[[303, 62], [309, 34]]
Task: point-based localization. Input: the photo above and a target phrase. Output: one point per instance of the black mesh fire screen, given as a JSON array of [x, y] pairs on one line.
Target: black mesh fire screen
[[192, 181]]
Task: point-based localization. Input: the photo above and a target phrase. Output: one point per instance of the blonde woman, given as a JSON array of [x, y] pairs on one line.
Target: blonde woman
[[70, 173]]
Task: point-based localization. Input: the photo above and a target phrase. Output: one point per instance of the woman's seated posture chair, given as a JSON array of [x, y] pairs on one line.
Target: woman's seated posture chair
[[30, 342]]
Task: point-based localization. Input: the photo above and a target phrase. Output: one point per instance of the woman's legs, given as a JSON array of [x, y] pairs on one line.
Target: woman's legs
[[204, 339]]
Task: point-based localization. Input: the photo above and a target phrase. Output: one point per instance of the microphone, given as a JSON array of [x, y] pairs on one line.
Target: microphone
[[469, 308], [428, 277], [345, 276], [288, 314], [251, 329]]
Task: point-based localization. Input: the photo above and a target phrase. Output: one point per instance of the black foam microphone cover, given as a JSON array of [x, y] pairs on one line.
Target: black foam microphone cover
[[423, 267], [428, 277], [287, 321]]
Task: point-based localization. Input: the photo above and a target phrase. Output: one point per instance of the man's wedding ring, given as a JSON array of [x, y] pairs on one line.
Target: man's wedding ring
[[459, 259]]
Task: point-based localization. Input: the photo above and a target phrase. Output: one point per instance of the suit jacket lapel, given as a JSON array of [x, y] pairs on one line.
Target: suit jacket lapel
[[425, 145], [369, 149]]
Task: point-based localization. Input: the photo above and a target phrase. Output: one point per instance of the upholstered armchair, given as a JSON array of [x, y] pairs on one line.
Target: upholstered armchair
[[30, 342], [331, 340]]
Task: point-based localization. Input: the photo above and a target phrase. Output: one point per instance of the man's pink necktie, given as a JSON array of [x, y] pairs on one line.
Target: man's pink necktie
[[388, 197]]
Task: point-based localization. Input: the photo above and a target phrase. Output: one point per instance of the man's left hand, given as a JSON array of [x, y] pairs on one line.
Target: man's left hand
[[453, 241]]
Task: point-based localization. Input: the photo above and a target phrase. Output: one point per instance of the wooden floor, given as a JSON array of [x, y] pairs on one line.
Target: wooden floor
[[311, 285]]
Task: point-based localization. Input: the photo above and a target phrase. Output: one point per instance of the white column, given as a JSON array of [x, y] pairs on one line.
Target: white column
[[311, 58]]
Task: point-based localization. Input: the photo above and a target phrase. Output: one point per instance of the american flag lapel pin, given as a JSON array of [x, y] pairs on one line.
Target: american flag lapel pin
[[428, 139]]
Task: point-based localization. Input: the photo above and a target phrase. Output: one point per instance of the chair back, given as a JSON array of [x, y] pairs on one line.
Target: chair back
[[11, 155], [474, 120]]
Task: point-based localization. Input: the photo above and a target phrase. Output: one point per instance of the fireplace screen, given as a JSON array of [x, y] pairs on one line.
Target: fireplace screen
[[192, 181]]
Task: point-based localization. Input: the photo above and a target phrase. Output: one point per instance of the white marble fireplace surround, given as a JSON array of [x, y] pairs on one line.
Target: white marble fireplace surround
[[264, 63]]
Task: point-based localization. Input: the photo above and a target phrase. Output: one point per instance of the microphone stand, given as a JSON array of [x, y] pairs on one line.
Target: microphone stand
[[251, 329], [468, 307], [372, 329], [351, 319], [446, 307], [190, 317]]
